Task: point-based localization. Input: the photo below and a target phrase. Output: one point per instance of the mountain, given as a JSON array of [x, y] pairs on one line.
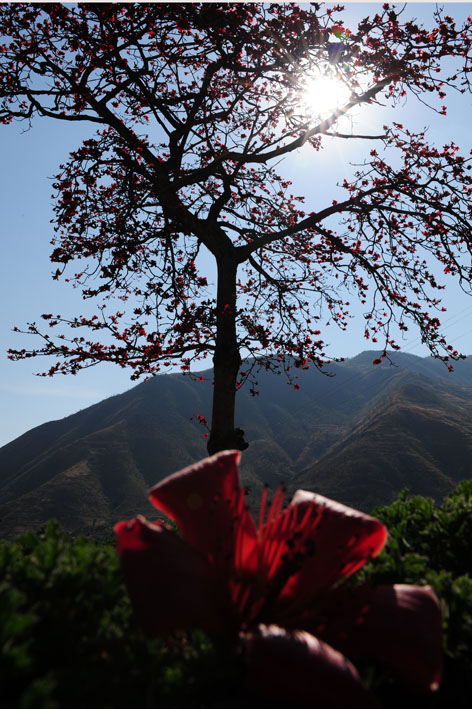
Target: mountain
[[418, 435], [359, 436]]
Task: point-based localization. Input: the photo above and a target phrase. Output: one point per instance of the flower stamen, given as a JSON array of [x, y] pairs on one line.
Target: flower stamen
[[262, 511], [277, 502]]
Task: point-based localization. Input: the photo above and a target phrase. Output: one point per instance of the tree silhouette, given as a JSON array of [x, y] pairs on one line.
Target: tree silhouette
[[195, 106]]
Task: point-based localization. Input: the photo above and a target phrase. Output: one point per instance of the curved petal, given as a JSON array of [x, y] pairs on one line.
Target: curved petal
[[296, 667], [208, 505], [329, 541], [400, 625], [170, 584]]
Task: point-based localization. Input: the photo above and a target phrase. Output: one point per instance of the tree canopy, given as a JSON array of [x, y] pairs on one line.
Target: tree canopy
[[195, 106]]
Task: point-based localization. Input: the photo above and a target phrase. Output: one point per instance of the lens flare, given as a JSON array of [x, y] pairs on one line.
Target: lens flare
[[323, 95]]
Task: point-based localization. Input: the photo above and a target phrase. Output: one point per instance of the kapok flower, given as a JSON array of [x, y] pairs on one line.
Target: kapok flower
[[341, 32], [277, 584]]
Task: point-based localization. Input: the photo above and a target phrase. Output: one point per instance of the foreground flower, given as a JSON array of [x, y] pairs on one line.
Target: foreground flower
[[278, 585]]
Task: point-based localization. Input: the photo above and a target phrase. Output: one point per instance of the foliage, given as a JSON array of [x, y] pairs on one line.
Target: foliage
[[430, 544], [69, 636], [195, 105]]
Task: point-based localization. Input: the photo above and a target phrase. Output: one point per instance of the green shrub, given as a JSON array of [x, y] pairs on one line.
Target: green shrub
[[69, 637], [431, 544]]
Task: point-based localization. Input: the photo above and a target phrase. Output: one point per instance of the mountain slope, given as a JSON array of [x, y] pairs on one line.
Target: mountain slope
[[418, 436], [359, 436]]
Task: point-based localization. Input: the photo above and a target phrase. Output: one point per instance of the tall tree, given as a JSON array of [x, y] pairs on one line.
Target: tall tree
[[195, 107]]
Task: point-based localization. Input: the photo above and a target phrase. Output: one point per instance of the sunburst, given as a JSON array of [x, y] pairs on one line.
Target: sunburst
[[323, 95]]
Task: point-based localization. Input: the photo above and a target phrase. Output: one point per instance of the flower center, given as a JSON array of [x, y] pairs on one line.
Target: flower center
[[283, 543]]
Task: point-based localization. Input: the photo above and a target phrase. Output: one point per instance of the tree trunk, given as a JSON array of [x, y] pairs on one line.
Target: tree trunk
[[226, 363]]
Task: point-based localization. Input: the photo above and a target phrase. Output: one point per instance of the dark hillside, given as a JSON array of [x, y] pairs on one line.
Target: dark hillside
[[359, 436], [418, 436]]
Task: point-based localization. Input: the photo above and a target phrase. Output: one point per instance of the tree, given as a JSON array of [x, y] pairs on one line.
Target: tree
[[195, 106]]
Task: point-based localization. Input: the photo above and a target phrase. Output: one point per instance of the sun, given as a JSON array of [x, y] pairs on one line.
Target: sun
[[322, 95]]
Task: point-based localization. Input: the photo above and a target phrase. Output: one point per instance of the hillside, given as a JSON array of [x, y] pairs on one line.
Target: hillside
[[359, 436], [417, 436]]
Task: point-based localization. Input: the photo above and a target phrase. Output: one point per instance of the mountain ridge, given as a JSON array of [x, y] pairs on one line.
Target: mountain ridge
[[360, 437]]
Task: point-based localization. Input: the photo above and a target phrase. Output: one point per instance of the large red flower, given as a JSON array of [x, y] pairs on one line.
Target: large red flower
[[278, 585]]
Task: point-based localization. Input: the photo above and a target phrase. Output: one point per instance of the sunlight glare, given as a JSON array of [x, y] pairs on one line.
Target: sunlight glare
[[322, 95]]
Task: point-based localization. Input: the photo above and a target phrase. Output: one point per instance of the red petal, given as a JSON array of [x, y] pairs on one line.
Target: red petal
[[170, 584], [207, 503], [400, 625], [298, 668], [335, 542]]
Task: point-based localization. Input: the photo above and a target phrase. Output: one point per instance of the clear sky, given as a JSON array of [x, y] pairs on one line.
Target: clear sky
[[29, 160]]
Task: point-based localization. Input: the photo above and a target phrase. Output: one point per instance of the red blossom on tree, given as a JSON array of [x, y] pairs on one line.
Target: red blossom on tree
[[195, 105]]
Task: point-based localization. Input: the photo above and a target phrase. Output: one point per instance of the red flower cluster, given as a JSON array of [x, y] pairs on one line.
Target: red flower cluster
[[277, 586]]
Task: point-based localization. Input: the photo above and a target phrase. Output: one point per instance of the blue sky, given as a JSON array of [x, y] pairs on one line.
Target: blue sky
[[29, 160]]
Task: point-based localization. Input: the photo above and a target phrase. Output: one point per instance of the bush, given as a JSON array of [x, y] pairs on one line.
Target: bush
[[431, 544], [69, 637]]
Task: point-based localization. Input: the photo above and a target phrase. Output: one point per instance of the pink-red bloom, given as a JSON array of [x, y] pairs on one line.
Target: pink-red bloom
[[278, 585]]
